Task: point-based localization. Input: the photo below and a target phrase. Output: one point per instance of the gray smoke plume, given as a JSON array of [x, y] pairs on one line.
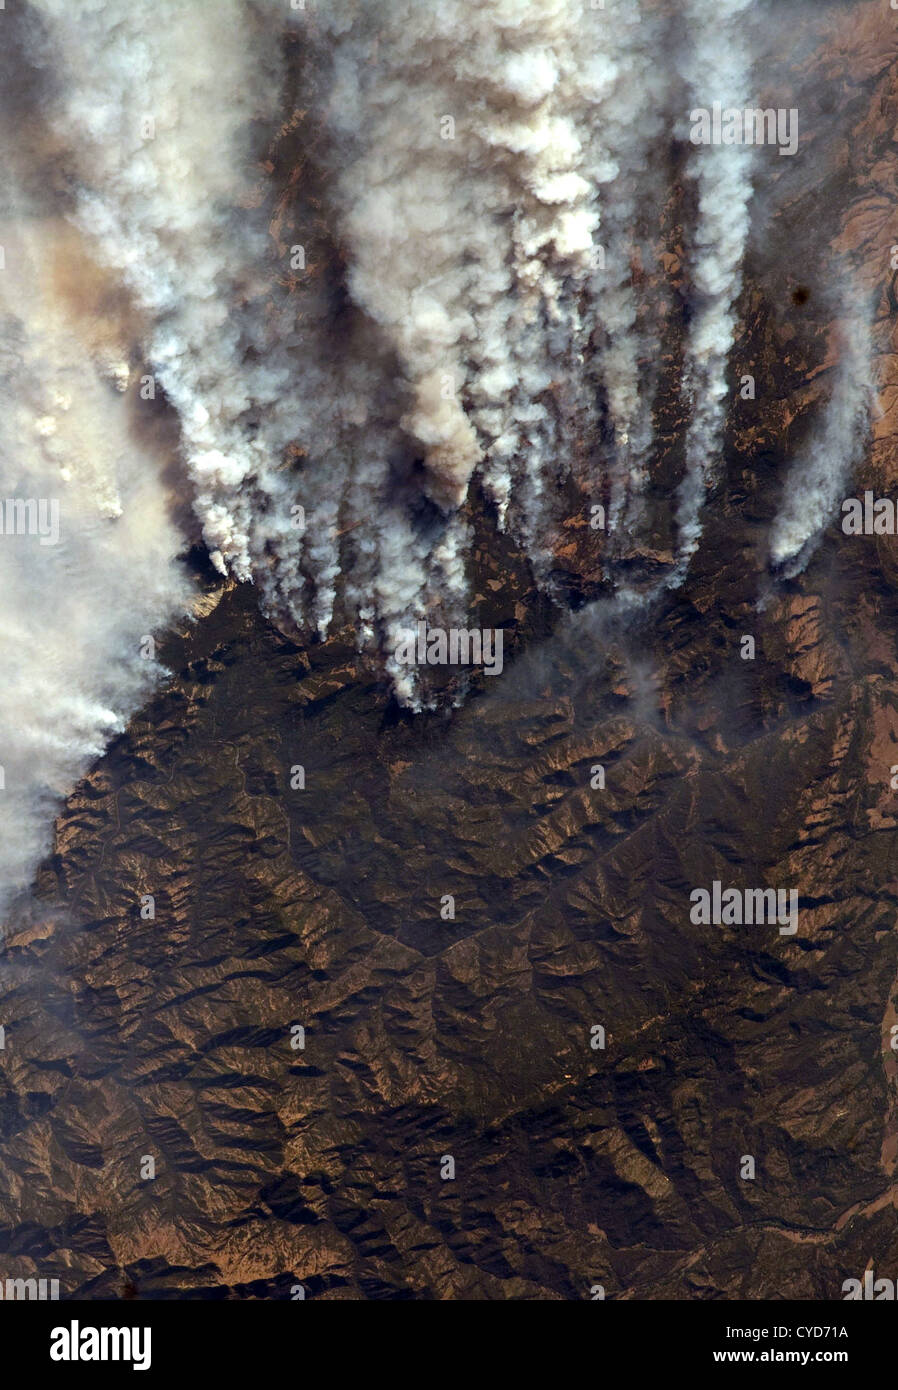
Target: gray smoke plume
[[456, 312], [717, 68], [467, 150], [819, 478], [474, 147], [87, 549]]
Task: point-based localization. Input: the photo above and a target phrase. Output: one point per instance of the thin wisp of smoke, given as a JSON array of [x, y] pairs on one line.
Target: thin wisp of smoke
[[820, 477]]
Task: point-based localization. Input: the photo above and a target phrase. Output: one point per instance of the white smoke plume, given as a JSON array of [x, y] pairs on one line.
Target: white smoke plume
[[635, 117], [474, 144], [717, 68], [469, 147], [79, 592], [819, 478], [155, 103], [467, 215], [453, 308]]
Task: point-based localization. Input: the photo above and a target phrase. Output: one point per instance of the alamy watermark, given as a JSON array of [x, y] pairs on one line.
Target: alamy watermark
[[870, 517], [871, 1288], [738, 907], [85, 1343], [454, 646], [29, 1290], [31, 516], [732, 125]]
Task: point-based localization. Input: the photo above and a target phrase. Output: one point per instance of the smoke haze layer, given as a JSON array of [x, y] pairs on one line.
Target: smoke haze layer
[[446, 313]]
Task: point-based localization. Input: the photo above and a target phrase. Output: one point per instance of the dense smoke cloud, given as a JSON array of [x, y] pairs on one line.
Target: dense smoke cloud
[[476, 160], [476, 149], [468, 151], [461, 314], [87, 551]]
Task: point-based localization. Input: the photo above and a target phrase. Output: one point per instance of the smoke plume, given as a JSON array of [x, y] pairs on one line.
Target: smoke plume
[[382, 262], [717, 68], [820, 477]]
